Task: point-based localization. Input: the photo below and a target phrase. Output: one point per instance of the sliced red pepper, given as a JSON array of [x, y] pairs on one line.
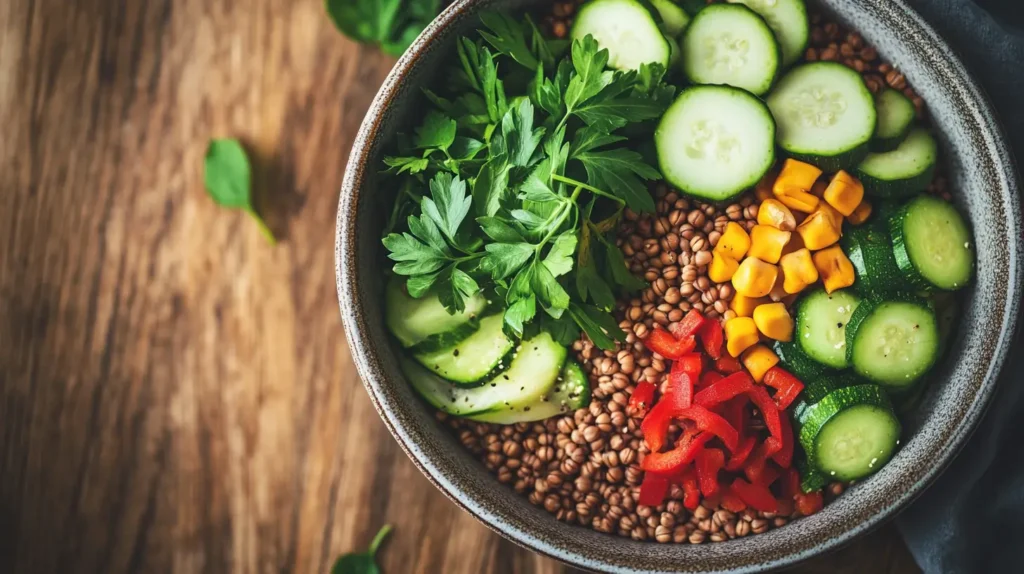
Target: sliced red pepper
[[655, 424], [712, 423], [689, 326], [712, 338], [690, 364], [769, 411], [790, 483], [756, 496], [730, 501], [642, 399], [673, 461], [691, 490], [736, 412], [709, 462], [732, 386], [808, 504], [738, 457], [784, 455], [755, 464], [787, 386], [714, 500], [769, 475], [728, 365], [665, 344], [653, 489], [707, 379], [785, 506]]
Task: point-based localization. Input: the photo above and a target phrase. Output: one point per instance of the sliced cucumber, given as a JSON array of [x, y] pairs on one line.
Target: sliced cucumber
[[821, 321], [627, 28], [850, 433], [475, 357], [932, 244], [788, 20], [904, 171], [896, 115], [811, 479], [893, 341], [869, 248], [673, 18], [531, 376], [424, 322], [817, 389], [826, 115], [796, 361], [730, 44], [714, 142], [571, 392]]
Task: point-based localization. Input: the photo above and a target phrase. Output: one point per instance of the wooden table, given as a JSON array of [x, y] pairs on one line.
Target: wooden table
[[177, 395]]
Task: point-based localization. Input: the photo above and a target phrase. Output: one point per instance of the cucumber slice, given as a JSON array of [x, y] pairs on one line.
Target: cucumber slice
[[896, 115], [904, 171], [851, 433], [730, 44], [673, 18], [788, 20], [932, 244], [714, 142], [819, 388], [475, 357], [821, 321], [796, 361], [826, 115], [570, 393], [628, 30], [424, 322], [893, 341], [869, 249], [531, 375], [811, 479]]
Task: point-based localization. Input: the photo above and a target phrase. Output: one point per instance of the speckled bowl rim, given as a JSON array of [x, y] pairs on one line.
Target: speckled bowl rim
[[517, 528]]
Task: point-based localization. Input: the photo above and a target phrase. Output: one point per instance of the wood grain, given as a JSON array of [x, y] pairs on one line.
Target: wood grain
[[177, 395]]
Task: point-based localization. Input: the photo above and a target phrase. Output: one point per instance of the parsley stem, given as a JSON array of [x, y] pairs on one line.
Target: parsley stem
[[590, 188], [379, 538], [263, 227]]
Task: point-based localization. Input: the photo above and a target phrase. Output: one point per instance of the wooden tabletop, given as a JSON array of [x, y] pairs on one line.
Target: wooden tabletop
[[176, 394]]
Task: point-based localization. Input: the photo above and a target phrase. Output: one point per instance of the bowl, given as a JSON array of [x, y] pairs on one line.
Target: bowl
[[983, 178]]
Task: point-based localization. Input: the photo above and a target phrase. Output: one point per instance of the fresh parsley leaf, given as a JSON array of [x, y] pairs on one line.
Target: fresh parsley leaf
[[507, 36], [559, 260], [454, 286], [228, 178], [589, 284], [536, 189], [599, 326], [520, 312], [414, 257], [550, 293], [499, 230], [563, 330], [621, 171], [591, 137], [465, 149], [491, 186], [413, 165], [419, 285], [448, 205], [391, 24], [362, 563], [437, 131], [618, 105], [505, 259], [589, 62], [521, 138], [619, 270]]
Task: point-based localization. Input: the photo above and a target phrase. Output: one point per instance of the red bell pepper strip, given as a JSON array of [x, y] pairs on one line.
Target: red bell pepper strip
[[790, 483], [768, 476], [732, 386], [653, 489], [785, 506], [691, 490], [673, 461], [712, 423], [738, 457], [756, 496], [709, 462], [784, 456], [728, 365], [642, 399], [665, 344], [707, 379], [787, 386], [769, 411], [690, 364], [655, 424], [712, 338], [808, 504], [755, 464], [689, 326], [736, 413], [730, 501]]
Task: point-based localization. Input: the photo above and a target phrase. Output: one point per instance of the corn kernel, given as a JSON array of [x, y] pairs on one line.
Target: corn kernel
[[774, 322], [766, 243], [799, 201], [722, 267], [740, 335], [818, 232], [758, 359], [795, 175], [845, 193], [734, 242], [798, 271], [835, 268], [834, 217], [775, 213], [754, 278], [744, 306], [861, 214]]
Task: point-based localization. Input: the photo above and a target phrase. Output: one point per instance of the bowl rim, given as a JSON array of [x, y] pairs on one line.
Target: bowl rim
[[996, 144]]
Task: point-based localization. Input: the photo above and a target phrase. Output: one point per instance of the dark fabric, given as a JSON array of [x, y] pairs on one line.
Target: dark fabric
[[972, 519]]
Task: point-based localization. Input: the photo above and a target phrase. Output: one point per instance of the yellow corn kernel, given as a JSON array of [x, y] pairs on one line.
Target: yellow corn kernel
[[734, 241], [818, 231], [796, 243], [818, 190], [798, 270], [844, 193], [758, 359], [754, 278], [861, 214], [774, 213], [722, 267], [799, 201], [795, 175], [763, 189], [766, 243], [833, 215], [774, 321], [744, 306], [740, 335], [834, 267]]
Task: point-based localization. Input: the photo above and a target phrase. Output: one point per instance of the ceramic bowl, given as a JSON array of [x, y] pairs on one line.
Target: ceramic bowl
[[982, 177]]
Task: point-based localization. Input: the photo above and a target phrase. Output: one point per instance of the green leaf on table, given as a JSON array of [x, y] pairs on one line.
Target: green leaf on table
[[621, 172], [437, 132], [364, 562], [391, 24], [228, 178]]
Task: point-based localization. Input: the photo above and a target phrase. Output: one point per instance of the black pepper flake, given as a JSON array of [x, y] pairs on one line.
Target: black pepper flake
[[839, 325], [455, 353]]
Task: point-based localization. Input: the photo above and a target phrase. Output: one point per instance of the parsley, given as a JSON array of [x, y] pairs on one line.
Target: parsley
[[516, 178], [365, 562], [228, 178], [391, 24]]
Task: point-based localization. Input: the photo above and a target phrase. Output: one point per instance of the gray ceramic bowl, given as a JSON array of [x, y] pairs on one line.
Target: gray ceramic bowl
[[983, 178]]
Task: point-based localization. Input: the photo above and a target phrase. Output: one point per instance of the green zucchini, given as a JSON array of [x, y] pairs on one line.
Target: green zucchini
[[424, 323], [896, 115], [904, 171], [796, 361], [821, 320], [474, 359], [932, 244], [869, 248], [893, 341]]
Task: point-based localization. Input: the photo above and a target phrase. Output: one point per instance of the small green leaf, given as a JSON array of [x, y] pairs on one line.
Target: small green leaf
[[453, 287], [536, 189], [590, 62], [519, 313], [520, 136], [590, 138], [499, 230], [507, 36], [621, 171], [448, 204], [504, 259], [437, 131], [559, 260], [599, 326], [551, 295], [464, 148], [398, 165], [228, 178], [362, 563], [619, 270]]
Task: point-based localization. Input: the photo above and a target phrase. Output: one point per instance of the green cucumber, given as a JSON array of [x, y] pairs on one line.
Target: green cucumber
[[673, 18], [424, 323], [474, 359], [932, 244], [788, 21], [869, 249], [570, 393], [904, 171], [796, 361], [730, 44], [821, 321], [817, 389], [896, 115], [811, 479], [627, 29], [893, 341]]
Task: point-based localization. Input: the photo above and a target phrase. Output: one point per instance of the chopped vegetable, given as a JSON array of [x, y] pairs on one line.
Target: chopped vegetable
[[774, 321], [835, 268], [724, 390], [799, 201], [809, 503], [689, 325], [795, 176], [861, 214], [786, 385], [775, 214], [767, 242], [722, 268], [756, 496], [740, 334], [712, 337], [653, 489], [667, 345], [728, 365], [744, 306], [755, 278], [709, 463], [845, 193], [739, 456], [758, 359], [818, 231], [734, 241], [783, 455], [642, 399]]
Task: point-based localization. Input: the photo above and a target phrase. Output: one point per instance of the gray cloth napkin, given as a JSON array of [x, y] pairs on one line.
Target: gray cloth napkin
[[972, 519]]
